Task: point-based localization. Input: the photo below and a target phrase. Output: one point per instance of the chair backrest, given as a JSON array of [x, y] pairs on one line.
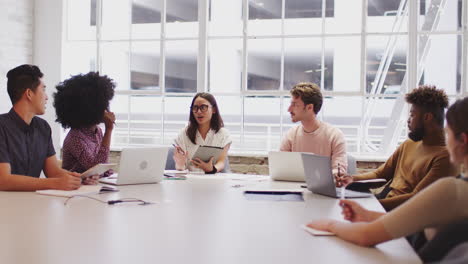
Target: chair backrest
[[170, 163], [351, 165], [227, 167]]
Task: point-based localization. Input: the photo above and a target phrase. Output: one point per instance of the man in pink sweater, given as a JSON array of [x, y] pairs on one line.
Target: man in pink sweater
[[313, 135]]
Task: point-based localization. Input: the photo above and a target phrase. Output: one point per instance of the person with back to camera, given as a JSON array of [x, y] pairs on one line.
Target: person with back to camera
[[82, 103], [442, 203], [205, 127]]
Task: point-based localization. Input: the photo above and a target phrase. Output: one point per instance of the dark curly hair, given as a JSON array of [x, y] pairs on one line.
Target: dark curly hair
[[216, 122], [309, 93], [430, 100], [20, 79], [81, 100]]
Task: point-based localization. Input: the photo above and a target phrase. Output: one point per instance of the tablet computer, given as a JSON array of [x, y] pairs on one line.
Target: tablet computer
[[98, 169], [206, 152]]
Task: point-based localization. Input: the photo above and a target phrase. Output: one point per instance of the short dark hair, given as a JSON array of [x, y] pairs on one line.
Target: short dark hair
[[216, 122], [456, 116], [309, 93], [430, 100], [20, 79], [81, 100]]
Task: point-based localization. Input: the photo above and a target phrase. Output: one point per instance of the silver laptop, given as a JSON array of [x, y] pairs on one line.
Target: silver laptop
[[285, 166], [319, 177], [139, 166]]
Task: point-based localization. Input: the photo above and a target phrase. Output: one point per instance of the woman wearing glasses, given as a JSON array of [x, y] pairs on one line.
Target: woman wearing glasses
[[205, 127]]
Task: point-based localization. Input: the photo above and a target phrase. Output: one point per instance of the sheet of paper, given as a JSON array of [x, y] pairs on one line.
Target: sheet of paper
[[372, 180], [316, 232], [83, 190], [176, 171], [98, 169]]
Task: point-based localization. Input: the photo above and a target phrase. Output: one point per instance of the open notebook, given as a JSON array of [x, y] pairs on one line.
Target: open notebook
[[83, 190]]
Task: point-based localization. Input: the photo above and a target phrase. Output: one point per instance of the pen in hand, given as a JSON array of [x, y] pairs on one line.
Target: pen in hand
[[342, 193], [178, 148]]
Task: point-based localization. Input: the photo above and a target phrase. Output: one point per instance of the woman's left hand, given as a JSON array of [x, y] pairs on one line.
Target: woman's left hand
[[205, 166]]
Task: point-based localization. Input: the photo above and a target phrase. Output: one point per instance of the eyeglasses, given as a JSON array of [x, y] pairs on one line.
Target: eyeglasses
[[203, 108]]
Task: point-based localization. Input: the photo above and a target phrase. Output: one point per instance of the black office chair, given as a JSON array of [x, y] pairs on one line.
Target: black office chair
[[170, 163], [357, 186]]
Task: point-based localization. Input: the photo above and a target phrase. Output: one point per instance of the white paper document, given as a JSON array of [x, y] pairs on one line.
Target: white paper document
[[83, 190], [316, 232], [98, 169]]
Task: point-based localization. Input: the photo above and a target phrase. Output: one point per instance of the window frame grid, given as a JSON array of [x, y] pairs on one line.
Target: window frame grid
[[203, 38]]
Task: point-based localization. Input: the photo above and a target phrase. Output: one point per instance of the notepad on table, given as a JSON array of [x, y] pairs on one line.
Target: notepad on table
[[83, 190], [316, 232]]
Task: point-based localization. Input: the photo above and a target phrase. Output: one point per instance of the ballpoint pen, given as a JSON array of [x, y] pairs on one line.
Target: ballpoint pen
[[342, 193], [177, 148]]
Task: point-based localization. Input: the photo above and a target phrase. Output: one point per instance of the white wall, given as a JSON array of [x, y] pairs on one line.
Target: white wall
[[16, 41]]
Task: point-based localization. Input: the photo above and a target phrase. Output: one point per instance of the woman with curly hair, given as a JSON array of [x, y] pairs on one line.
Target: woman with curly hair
[[441, 204], [81, 103], [205, 127]]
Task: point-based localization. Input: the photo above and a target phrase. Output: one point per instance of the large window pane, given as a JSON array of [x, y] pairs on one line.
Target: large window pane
[[264, 17], [286, 122], [78, 57], [120, 105], [225, 65], [386, 64], [305, 16], [440, 15], [348, 121], [176, 116], [146, 19], [308, 8], [302, 61], [264, 9], [144, 66], [181, 66], [377, 114], [145, 120], [389, 16], [225, 18], [116, 18], [347, 17], [230, 109], [261, 123], [146, 12], [342, 72], [182, 18], [81, 20], [115, 61], [264, 64], [442, 64]]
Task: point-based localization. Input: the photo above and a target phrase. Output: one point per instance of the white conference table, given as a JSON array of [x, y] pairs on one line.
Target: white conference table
[[203, 219]]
